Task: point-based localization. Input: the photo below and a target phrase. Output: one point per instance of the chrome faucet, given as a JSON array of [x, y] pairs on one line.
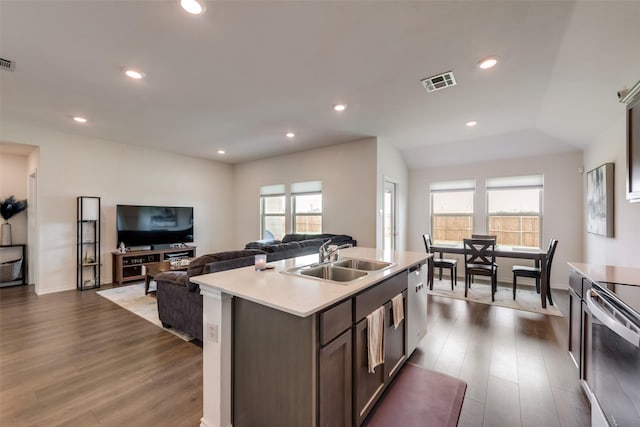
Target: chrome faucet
[[325, 253]]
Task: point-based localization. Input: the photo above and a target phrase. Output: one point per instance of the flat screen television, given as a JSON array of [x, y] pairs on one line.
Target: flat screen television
[[154, 225]]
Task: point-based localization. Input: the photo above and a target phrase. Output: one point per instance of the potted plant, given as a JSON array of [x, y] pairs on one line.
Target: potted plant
[[8, 208]]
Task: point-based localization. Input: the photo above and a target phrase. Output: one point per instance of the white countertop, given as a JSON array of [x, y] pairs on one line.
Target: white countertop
[[608, 273], [302, 295]]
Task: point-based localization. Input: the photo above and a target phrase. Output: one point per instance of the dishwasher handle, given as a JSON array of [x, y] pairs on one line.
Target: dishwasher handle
[[415, 277], [612, 322]]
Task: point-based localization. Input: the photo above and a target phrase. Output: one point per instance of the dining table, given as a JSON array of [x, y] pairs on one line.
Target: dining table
[[536, 254]]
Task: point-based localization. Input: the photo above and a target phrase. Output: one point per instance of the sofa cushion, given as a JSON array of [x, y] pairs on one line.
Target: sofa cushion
[[197, 266], [311, 243], [178, 277], [335, 238], [295, 237], [229, 264], [281, 247], [259, 244]]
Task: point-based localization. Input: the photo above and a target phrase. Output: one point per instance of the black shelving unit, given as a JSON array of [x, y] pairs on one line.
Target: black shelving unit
[[88, 249]]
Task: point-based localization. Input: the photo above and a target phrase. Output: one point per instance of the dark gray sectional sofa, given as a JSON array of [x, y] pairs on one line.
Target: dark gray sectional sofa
[[179, 300]]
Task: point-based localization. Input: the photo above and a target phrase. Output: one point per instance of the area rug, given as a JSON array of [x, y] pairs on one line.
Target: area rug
[[419, 397], [526, 300], [132, 298]]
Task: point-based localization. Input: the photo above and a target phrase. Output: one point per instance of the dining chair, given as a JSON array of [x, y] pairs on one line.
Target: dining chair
[[437, 261], [480, 259], [484, 236], [536, 272]]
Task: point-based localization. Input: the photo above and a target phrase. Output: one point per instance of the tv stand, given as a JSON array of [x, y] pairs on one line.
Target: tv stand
[[128, 266], [139, 248]]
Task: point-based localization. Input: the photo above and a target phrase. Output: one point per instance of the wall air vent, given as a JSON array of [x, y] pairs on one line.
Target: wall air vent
[[5, 64], [439, 81]]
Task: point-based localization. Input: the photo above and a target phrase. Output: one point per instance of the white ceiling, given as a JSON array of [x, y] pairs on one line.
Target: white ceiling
[[243, 74]]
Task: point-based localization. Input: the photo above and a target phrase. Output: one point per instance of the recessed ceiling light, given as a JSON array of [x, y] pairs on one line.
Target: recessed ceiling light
[[290, 134], [340, 107], [472, 123], [134, 74], [80, 119], [487, 63], [194, 7], [221, 151]]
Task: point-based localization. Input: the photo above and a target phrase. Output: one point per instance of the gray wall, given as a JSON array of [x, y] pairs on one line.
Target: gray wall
[[562, 203], [348, 175]]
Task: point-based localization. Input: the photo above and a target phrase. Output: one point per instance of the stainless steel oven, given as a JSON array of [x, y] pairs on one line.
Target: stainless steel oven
[[614, 354]]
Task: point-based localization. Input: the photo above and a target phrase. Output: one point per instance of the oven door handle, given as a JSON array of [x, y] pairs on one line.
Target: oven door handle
[[611, 322]]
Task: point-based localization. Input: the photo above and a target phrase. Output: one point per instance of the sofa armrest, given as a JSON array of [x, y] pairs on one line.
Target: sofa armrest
[[177, 307]]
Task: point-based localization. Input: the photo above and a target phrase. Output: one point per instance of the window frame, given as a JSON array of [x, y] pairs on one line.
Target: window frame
[[264, 215], [452, 187], [540, 214], [295, 214]]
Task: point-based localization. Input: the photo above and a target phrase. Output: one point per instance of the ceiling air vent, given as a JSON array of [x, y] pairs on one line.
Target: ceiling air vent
[[439, 81], [5, 64]]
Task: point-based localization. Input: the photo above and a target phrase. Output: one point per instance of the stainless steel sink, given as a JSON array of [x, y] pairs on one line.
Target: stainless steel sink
[[343, 271], [360, 264], [331, 272]]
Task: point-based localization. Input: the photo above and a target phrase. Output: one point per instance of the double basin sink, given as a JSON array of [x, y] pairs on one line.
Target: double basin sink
[[343, 271]]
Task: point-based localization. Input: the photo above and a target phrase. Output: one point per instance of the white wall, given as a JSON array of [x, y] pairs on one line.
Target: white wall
[[562, 204], [71, 166], [391, 164], [348, 175], [622, 249], [13, 181]]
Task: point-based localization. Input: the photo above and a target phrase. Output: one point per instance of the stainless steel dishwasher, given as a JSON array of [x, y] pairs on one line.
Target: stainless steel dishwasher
[[416, 306]]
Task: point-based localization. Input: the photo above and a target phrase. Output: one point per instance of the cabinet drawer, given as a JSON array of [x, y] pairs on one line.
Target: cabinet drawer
[[334, 321], [373, 298]]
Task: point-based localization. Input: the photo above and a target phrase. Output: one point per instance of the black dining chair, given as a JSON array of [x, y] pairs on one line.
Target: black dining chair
[[437, 261], [488, 237], [536, 272], [480, 259], [484, 236]]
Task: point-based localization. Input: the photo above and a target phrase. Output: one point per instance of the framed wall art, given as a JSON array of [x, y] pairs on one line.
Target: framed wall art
[[600, 200]]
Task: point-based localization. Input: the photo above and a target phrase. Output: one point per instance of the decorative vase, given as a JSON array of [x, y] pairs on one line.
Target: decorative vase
[[5, 234]]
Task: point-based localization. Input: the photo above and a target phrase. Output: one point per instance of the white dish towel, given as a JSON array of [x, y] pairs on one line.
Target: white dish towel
[[375, 338], [398, 310]]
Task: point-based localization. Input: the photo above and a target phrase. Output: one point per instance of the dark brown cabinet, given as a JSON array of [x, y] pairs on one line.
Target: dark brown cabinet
[[313, 371], [335, 385], [395, 349], [367, 386], [128, 266], [579, 323], [575, 318]]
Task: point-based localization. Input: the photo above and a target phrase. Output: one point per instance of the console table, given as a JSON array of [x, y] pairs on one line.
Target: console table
[[23, 268], [127, 266]]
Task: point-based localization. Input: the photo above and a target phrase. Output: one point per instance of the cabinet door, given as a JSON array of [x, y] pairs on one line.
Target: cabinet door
[[367, 387], [575, 328], [394, 340], [335, 382]]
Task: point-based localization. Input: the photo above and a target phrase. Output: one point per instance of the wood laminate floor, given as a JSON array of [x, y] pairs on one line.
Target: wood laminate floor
[[515, 363], [76, 359]]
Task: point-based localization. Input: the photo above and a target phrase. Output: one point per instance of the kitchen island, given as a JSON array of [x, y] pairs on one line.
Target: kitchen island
[[286, 349]]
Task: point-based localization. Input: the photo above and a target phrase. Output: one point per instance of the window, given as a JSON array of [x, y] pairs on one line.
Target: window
[[452, 211], [306, 202], [272, 211], [514, 210]]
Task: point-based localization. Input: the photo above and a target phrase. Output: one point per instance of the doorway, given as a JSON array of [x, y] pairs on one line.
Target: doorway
[[389, 216]]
